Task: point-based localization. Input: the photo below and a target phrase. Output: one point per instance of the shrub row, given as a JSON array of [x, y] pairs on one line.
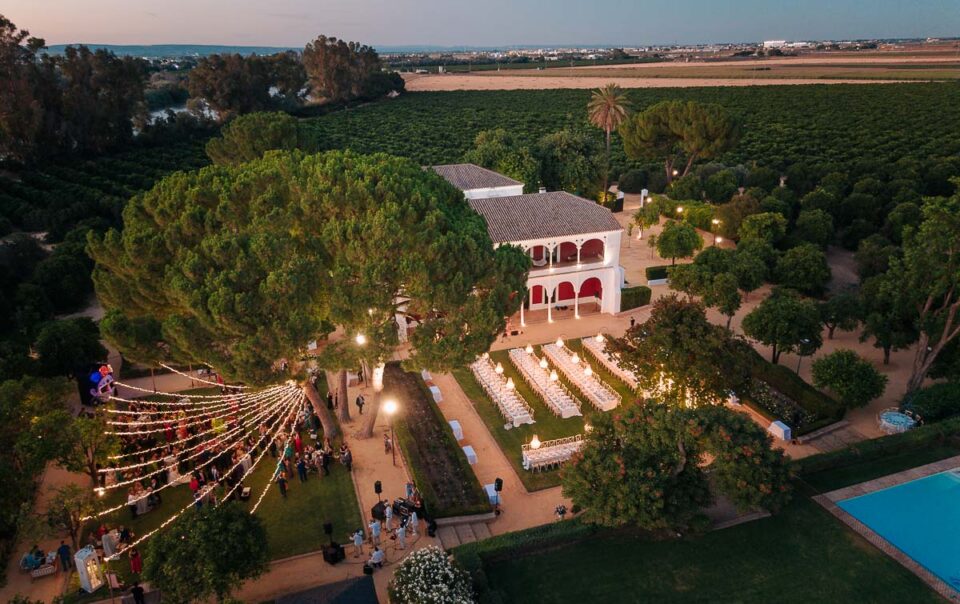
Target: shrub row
[[877, 448], [634, 297], [439, 467], [656, 272], [935, 403], [815, 409]]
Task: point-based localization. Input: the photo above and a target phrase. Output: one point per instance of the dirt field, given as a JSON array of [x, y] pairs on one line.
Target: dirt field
[[818, 68]]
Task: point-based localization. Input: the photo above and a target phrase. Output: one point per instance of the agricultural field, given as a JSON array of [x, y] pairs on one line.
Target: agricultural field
[[90, 192], [836, 124]]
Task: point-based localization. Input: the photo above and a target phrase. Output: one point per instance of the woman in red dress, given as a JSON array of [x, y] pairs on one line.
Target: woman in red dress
[[136, 562]]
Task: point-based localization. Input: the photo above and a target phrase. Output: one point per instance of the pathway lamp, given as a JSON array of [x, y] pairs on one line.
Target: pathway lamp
[[390, 408]]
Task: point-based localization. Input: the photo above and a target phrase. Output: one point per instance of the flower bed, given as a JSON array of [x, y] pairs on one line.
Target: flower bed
[[439, 468], [782, 394]]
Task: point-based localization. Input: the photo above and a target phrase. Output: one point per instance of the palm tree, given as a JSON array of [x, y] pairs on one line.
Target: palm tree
[[607, 109]]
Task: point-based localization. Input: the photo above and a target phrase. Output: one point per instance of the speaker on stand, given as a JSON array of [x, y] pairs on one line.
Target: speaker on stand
[[497, 486]]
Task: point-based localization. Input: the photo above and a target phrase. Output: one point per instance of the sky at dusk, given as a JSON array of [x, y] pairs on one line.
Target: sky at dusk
[[478, 22]]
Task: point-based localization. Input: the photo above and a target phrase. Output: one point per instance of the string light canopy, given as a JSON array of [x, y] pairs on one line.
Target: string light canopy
[[232, 431]]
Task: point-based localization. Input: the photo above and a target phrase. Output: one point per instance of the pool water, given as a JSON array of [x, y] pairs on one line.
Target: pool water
[[921, 518]]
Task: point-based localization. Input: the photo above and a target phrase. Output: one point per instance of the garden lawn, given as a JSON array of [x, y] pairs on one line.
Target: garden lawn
[[547, 427], [294, 525], [801, 555]]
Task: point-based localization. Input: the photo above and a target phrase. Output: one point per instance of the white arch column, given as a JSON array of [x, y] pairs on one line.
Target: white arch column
[[549, 305]]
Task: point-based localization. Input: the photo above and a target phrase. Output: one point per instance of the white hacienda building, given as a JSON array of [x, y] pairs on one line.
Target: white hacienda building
[[573, 243]]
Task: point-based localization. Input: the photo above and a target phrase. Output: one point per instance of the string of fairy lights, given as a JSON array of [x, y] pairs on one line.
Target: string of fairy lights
[[240, 421]]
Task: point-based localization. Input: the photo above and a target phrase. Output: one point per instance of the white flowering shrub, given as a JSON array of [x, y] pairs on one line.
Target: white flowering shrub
[[429, 576]]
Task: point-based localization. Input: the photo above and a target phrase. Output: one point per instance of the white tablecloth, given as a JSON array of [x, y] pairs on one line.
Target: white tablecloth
[[457, 429], [437, 396], [471, 454]]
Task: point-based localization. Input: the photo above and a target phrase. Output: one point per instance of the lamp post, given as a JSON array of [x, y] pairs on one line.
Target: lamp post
[[716, 224], [803, 344], [390, 408]]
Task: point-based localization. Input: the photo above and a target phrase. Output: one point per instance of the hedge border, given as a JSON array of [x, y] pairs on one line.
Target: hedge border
[[634, 297], [878, 448], [414, 462]]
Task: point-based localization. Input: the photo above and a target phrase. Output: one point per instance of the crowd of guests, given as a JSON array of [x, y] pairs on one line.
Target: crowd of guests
[[302, 459], [395, 522]]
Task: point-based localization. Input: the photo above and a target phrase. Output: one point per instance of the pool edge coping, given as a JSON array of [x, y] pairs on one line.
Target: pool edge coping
[[829, 502]]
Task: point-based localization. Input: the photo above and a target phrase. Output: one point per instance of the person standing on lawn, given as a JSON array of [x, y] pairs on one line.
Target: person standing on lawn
[[282, 483], [325, 463], [301, 469], [136, 562]]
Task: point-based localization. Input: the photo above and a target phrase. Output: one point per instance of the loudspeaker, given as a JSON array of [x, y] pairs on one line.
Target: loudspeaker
[[333, 553], [498, 485], [377, 487], [328, 528], [432, 528]]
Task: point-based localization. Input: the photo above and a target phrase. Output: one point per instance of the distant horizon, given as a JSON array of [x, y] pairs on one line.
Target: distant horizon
[[396, 48], [457, 24]]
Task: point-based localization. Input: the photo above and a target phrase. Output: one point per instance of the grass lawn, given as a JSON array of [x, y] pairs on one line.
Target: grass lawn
[[294, 525], [800, 555], [547, 427]]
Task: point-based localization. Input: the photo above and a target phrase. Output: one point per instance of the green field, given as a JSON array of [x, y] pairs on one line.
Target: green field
[[836, 124]]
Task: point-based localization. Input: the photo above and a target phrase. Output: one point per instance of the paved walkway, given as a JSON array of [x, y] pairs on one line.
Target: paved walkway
[[521, 508]]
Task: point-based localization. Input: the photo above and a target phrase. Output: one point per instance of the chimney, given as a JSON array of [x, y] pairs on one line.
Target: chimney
[[543, 189]]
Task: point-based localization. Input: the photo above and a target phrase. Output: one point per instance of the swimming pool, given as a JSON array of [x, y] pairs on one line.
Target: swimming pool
[[920, 518]]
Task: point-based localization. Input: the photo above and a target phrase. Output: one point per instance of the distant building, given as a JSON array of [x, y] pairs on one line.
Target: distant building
[[774, 43], [573, 243]]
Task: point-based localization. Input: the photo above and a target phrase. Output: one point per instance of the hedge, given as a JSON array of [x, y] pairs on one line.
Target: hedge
[[419, 442], [936, 402], [878, 448], [634, 297], [614, 205], [656, 272], [817, 409]]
